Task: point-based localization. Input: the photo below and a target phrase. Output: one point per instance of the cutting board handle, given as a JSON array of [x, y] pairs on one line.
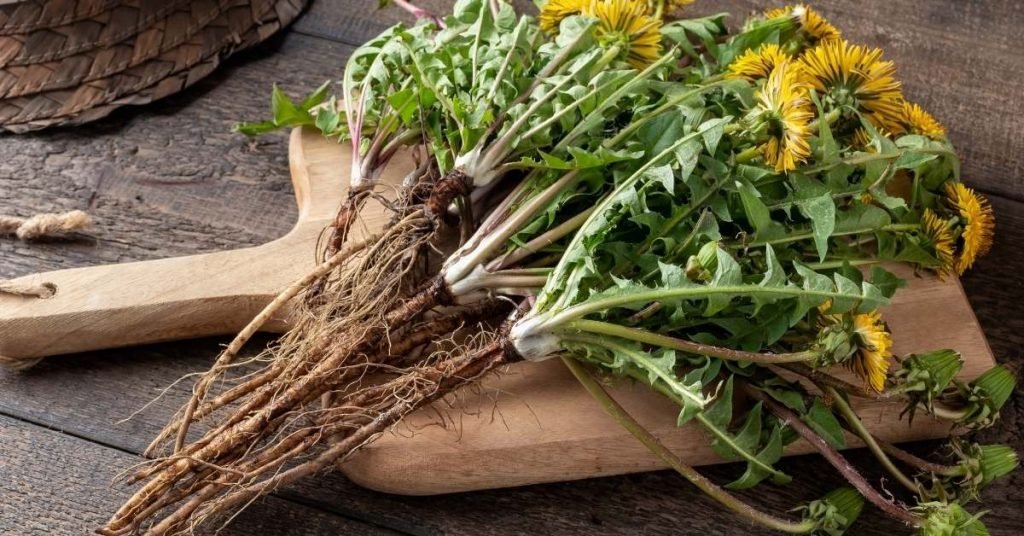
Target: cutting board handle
[[185, 297]]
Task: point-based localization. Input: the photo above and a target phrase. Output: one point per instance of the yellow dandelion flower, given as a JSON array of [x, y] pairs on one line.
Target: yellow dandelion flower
[[862, 140], [874, 350], [786, 109], [856, 76], [979, 224], [811, 22], [555, 11], [757, 63], [940, 236], [626, 24], [918, 121]]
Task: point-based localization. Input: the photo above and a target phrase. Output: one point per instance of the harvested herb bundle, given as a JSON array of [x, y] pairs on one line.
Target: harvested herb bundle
[[707, 214]]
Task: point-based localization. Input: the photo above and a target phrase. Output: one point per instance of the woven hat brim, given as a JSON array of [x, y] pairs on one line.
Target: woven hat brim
[[241, 25]]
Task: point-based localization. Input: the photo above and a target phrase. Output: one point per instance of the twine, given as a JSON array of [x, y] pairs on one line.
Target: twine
[[42, 225]]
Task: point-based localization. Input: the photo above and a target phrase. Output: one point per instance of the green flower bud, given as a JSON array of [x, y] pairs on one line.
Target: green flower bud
[[835, 343], [701, 267], [979, 466], [994, 461], [982, 399], [949, 519], [924, 377], [834, 513]]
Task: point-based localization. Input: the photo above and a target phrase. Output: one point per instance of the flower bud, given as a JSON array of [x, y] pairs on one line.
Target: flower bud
[[835, 512], [949, 519], [701, 267]]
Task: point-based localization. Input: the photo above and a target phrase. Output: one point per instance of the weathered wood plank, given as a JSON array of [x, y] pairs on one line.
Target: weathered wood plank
[[52, 483], [168, 180], [960, 60]]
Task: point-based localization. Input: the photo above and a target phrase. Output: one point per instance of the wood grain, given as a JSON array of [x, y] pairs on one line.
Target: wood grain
[[171, 180], [116, 305], [58, 484]]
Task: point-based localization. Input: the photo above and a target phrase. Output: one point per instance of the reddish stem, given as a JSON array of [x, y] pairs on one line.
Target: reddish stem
[[849, 472]]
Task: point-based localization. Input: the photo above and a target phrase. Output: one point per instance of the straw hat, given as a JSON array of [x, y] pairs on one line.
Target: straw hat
[[65, 62]]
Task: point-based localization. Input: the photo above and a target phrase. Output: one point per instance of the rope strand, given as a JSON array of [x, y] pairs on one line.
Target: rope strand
[[43, 225]]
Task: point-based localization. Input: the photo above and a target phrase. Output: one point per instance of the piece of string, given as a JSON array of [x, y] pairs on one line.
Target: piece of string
[[42, 225]]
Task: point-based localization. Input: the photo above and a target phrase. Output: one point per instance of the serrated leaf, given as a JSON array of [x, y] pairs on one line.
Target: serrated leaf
[[821, 419], [821, 211], [769, 455], [727, 274]]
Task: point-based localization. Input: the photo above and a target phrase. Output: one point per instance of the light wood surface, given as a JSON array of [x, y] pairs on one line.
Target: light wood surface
[[534, 423], [218, 293]]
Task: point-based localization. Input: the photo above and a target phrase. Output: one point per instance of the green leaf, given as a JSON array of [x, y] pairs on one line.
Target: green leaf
[[821, 419], [821, 211], [768, 455], [284, 110], [746, 444], [255, 129], [318, 96], [728, 274], [756, 210]]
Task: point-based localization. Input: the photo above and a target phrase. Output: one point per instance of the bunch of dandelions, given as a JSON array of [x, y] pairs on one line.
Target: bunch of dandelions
[[819, 169], [724, 211]]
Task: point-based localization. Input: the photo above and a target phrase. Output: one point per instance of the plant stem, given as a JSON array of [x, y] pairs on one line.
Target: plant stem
[[711, 83], [667, 391], [598, 112], [823, 378], [475, 252], [858, 428], [918, 463], [948, 414], [640, 298], [895, 227], [645, 362], [837, 460], [419, 12], [748, 154], [839, 263], [624, 419], [647, 337], [544, 240]]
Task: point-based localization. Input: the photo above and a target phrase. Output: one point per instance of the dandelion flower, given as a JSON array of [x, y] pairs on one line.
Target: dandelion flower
[[785, 108], [757, 63], [978, 221], [874, 349], [626, 24], [856, 76], [918, 121], [810, 20], [554, 11], [940, 237]]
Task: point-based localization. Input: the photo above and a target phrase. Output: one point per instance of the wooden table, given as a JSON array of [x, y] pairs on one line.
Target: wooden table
[[171, 179]]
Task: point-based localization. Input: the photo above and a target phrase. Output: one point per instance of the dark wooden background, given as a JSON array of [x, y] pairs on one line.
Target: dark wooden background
[[171, 179]]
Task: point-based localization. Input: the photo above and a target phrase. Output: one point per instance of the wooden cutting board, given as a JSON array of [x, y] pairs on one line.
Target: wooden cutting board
[[533, 423], [530, 424]]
